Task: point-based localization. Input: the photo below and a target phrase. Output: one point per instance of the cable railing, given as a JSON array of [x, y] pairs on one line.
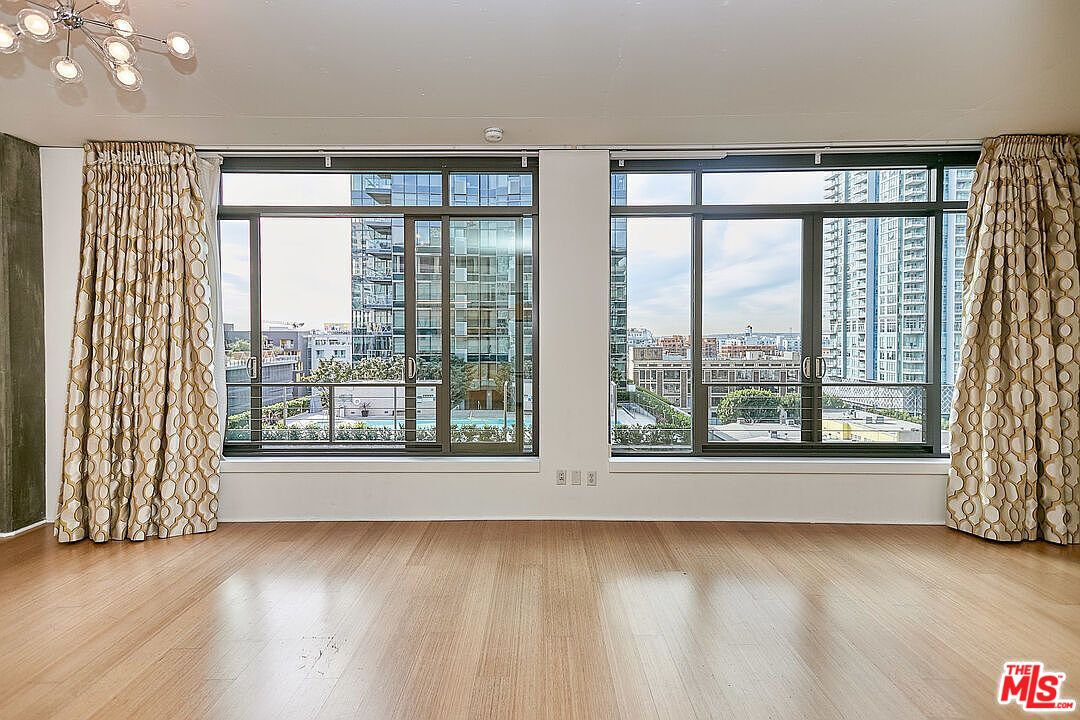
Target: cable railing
[[775, 412], [376, 414]]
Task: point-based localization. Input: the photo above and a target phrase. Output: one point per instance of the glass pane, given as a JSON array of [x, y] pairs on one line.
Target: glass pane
[[377, 296], [502, 189], [528, 347], [429, 301], [816, 186], [412, 189], [650, 189], [651, 383], [875, 316], [953, 256], [306, 330], [285, 189], [238, 416], [370, 414], [485, 294], [958, 183], [751, 319], [234, 236]]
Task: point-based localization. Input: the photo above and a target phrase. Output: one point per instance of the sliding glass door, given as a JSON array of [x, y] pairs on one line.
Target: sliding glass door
[[757, 380]]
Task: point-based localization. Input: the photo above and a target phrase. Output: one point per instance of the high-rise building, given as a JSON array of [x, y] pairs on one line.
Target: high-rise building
[[617, 352], [953, 256], [378, 258], [490, 263], [874, 281]]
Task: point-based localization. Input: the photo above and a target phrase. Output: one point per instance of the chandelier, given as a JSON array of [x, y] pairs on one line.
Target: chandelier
[[108, 30]]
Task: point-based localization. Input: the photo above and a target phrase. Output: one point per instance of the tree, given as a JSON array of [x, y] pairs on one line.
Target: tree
[[749, 404], [389, 367], [330, 371]]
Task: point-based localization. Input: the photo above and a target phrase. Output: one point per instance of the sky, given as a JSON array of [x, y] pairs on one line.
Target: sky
[[752, 270], [306, 263]]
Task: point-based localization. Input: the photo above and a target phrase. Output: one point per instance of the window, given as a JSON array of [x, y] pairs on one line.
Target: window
[[376, 309], [786, 304]]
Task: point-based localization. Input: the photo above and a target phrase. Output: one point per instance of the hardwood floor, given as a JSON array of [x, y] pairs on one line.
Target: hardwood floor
[[531, 620]]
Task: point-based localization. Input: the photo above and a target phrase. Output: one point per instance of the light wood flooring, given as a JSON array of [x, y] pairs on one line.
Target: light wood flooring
[[531, 620]]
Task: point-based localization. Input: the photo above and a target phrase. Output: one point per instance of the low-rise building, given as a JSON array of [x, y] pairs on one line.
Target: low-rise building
[[331, 344], [669, 376]]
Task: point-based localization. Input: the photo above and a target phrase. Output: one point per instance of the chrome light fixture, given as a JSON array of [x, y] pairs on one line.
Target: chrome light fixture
[[107, 29]]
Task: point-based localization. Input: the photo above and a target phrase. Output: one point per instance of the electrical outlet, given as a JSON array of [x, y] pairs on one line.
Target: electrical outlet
[[590, 478], [560, 477], [575, 477]]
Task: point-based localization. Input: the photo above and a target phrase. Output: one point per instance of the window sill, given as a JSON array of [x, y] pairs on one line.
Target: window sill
[[780, 465], [308, 465]]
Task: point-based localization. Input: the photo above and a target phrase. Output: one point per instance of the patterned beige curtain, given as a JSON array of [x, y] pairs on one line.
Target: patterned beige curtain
[[141, 447], [1015, 421]]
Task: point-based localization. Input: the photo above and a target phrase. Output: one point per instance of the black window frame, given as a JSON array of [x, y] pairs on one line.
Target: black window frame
[[445, 212], [813, 216]]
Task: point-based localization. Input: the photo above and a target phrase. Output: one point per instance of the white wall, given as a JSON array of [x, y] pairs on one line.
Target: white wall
[[573, 297], [61, 223]]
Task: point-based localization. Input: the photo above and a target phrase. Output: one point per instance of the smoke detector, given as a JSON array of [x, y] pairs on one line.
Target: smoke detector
[[493, 134]]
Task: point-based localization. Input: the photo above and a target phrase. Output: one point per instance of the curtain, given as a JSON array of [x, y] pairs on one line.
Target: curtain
[[210, 184], [141, 445], [1015, 423]]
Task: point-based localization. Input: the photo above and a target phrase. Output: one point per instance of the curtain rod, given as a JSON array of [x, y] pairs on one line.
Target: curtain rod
[[616, 151]]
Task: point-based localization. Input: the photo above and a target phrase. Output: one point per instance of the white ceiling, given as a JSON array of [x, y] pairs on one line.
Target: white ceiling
[[569, 72]]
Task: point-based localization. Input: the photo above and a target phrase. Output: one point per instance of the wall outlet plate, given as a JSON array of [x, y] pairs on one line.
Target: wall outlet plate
[[590, 478], [575, 477], [560, 477]]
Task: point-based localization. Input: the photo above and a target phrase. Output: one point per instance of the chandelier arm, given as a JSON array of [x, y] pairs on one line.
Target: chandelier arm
[[99, 23], [96, 2], [101, 49], [50, 8]]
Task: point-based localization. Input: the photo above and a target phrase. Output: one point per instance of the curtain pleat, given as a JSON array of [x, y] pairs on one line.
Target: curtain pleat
[[142, 444], [1015, 422]]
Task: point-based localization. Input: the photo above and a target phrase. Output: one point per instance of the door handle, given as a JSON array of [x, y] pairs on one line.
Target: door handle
[[806, 367], [252, 367], [410, 369], [821, 367]]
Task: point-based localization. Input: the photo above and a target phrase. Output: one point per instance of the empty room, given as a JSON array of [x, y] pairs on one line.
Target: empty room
[[619, 359]]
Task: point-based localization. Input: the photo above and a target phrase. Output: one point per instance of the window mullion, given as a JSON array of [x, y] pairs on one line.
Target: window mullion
[[699, 401]]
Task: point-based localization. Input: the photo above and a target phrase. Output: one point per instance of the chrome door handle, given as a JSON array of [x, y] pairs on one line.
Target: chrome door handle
[[410, 369], [822, 367], [252, 367], [806, 367]]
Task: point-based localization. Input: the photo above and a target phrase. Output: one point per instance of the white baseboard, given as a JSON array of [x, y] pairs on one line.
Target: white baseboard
[[20, 531]]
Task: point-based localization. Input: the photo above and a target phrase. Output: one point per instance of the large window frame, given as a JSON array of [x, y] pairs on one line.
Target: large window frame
[[813, 216], [445, 213]]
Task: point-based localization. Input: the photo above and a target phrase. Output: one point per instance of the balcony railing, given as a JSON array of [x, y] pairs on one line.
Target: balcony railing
[[364, 415], [776, 412], [377, 414]]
